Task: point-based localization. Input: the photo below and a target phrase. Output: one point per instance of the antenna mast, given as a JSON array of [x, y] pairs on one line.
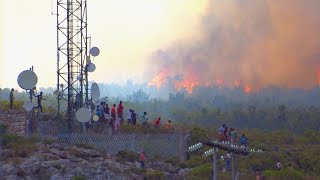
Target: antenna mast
[[72, 53]]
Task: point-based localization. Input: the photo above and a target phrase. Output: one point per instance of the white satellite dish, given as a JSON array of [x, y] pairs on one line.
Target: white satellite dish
[[27, 80], [95, 92], [94, 51], [83, 115], [28, 106], [91, 67], [95, 118], [57, 92]]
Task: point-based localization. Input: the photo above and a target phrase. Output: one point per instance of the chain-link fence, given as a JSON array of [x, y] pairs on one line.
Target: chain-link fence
[[162, 145]]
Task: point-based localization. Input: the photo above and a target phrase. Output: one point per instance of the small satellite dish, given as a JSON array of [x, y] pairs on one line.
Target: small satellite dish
[[95, 118], [91, 67], [94, 51], [95, 92], [57, 92], [27, 80], [79, 78], [83, 115], [28, 106]]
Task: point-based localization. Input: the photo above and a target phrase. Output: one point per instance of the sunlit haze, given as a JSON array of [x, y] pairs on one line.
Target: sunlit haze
[[126, 32], [252, 44]]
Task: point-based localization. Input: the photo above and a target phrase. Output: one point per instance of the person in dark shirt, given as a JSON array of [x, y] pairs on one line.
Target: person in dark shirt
[[113, 112], [39, 100], [107, 112], [134, 117], [11, 98]]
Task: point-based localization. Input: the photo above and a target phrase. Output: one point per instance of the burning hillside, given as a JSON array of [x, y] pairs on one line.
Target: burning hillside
[[248, 45]]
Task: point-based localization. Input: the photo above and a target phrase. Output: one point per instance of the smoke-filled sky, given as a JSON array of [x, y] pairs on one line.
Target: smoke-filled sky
[[258, 42]]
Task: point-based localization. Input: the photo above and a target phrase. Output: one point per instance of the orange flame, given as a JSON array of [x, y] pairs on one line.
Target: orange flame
[[247, 89], [219, 82], [319, 76], [159, 80], [189, 84]]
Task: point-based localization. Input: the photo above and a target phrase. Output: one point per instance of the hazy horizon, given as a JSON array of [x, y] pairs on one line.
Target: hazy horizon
[[194, 42]]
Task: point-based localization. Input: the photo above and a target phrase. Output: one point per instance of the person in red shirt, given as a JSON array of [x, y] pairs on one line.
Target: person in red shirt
[[113, 112], [120, 111], [142, 158], [157, 123]]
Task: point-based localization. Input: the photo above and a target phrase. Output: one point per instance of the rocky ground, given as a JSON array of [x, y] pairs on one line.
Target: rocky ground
[[59, 161]]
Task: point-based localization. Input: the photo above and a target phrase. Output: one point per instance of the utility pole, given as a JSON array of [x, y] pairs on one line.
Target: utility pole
[[214, 164]]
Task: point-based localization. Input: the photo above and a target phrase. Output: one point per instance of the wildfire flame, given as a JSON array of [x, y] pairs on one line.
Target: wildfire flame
[[189, 84], [219, 82], [247, 89], [191, 81], [319, 76], [159, 80]]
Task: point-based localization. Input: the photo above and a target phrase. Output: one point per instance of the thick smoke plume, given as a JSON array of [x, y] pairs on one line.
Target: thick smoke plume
[[255, 43]]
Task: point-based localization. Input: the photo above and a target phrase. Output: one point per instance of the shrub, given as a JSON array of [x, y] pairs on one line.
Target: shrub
[[284, 174], [78, 178], [197, 134], [173, 160], [48, 141], [200, 172], [129, 156], [21, 147], [154, 175], [3, 129], [196, 161]]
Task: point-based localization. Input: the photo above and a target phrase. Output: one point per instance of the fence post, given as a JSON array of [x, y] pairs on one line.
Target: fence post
[[182, 146]]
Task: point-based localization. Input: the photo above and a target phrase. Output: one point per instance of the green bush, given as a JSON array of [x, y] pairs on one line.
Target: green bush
[[197, 134], [20, 146], [3, 129], [284, 174], [78, 178], [196, 161], [129, 156], [48, 141], [200, 172], [173, 160], [154, 175]]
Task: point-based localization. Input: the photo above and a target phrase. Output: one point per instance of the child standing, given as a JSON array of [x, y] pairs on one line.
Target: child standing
[[142, 158]]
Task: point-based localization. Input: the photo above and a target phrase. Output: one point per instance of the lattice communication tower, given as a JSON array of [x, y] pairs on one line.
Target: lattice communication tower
[[72, 53]]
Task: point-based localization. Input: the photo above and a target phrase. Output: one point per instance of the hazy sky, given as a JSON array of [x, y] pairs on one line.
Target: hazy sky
[[126, 31], [257, 42]]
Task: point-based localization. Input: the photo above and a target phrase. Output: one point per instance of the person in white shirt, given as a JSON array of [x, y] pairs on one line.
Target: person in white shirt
[[128, 116]]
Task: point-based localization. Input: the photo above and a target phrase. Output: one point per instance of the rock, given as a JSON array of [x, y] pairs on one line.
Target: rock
[[137, 164], [8, 169], [184, 172]]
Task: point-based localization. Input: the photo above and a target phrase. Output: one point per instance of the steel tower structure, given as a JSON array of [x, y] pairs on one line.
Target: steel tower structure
[[72, 53]]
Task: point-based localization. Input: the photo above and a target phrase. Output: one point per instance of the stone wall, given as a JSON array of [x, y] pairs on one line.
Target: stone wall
[[14, 120]]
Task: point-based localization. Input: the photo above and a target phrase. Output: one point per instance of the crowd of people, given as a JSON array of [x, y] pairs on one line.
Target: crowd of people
[[226, 134], [115, 117]]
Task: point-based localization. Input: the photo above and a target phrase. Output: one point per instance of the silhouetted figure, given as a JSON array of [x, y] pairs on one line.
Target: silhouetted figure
[[134, 117], [11, 98], [113, 112], [120, 111], [243, 140], [39, 99]]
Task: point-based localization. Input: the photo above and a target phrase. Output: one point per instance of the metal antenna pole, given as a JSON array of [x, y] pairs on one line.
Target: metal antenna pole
[[214, 164], [234, 167]]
